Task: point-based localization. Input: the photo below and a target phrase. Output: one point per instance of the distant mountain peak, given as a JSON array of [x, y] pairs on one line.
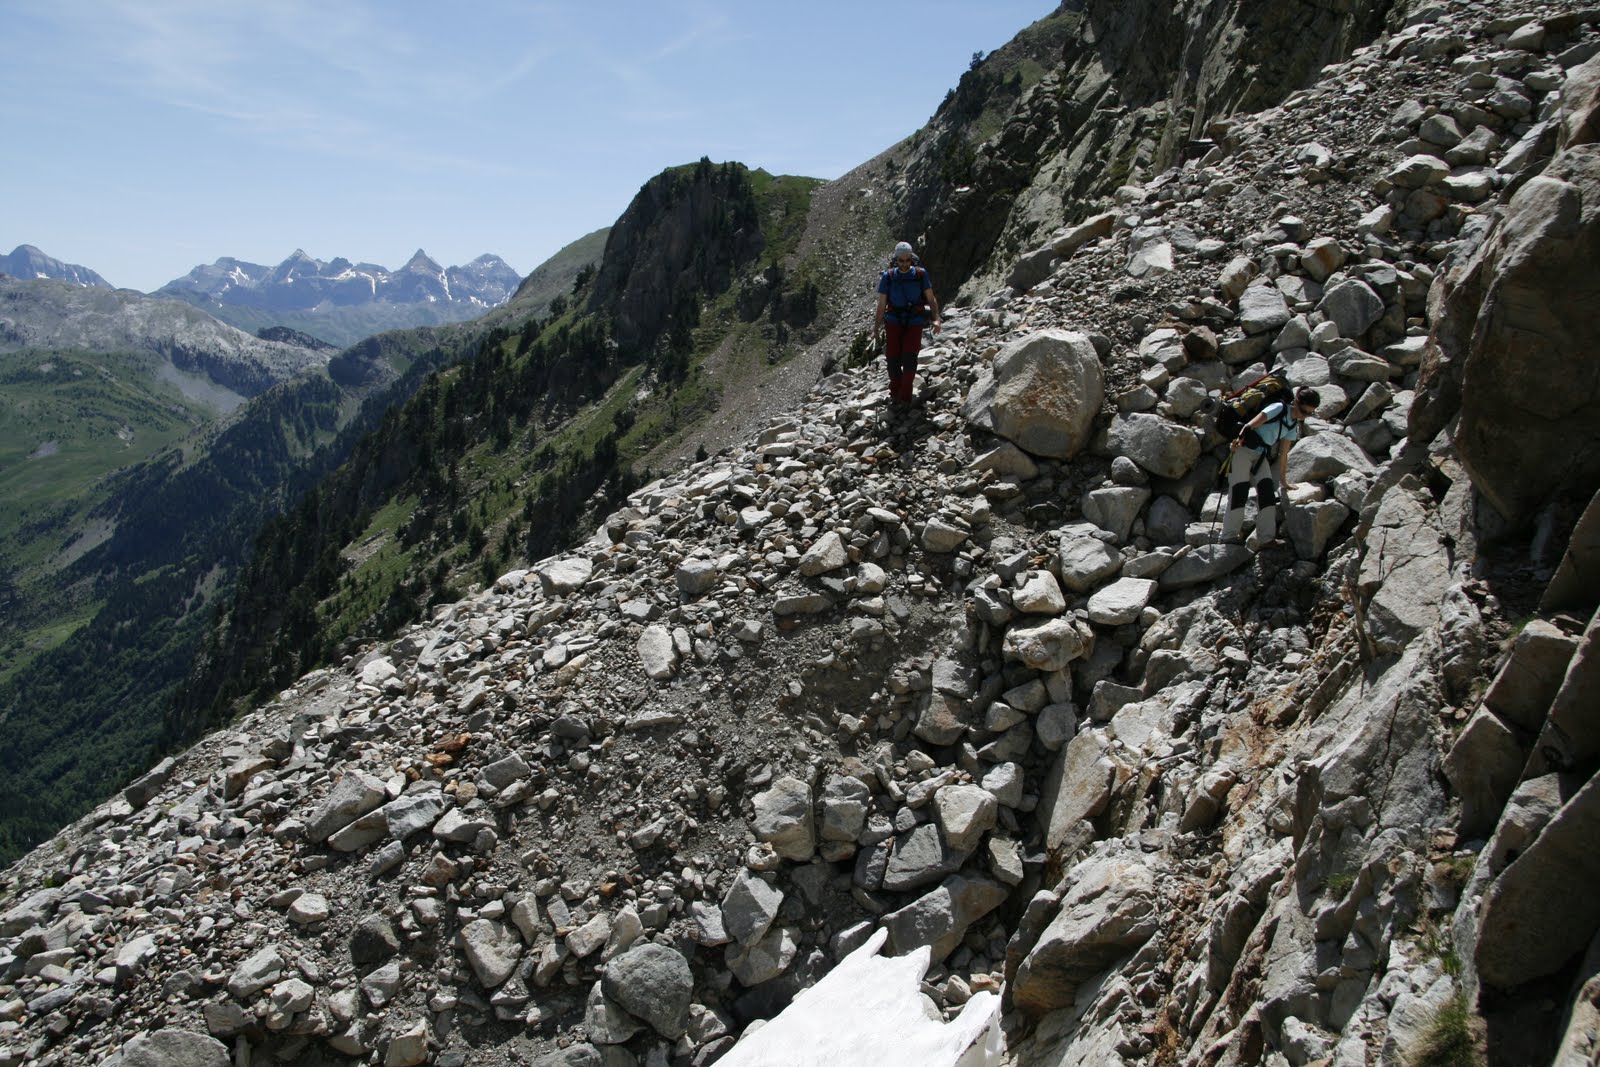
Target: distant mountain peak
[[29, 262], [344, 302]]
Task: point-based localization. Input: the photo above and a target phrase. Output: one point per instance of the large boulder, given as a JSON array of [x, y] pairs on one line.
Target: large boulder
[[1532, 675], [1325, 455], [653, 983], [492, 948], [1077, 787], [1121, 602], [558, 577], [1351, 304], [920, 857], [1115, 508], [1085, 560], [1048, 645], [1041, 394], [175, 1048], [1532, 921], [1262, 307], [749, 907], [353, 795], [940, 917], [1109, 911], [1160, 446], [965, 814]]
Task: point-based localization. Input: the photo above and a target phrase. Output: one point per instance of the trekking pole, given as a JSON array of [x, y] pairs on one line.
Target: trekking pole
[[1227, 465]]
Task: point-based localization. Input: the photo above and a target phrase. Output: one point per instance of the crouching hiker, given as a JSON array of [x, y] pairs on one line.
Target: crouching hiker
[[1260, 457], [905, 305]]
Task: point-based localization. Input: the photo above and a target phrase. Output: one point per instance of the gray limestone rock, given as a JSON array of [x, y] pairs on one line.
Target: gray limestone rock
[[940, 917], [1109, 911], [1352, 305], [352, 796], [562, 576], [783, 818], [1077, 787], [1526, 686], [1115, 509], [1085, 561], [1048, 645], [965, 813], [1091, 229], [1041, 394], [826, 555], [764, 960], [657, 654], [1532, 922], [1204, 563], [1121, 602], [920, 858], [1311, 526], [1262, 308], [1483, 767], [1162, 447], [1409, 569], [749, 907], [175, 1048], [653, 983], [697, 577], [492, 948], [1039, 594], [144, 789], [256, 973], [412, 814], [605, 1022], [846, 800]]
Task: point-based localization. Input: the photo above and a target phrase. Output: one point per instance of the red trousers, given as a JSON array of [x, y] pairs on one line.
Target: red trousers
[[901, 345]]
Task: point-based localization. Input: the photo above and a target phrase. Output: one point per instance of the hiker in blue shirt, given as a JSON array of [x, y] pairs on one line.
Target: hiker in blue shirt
[[905, 305], [1264, 438]]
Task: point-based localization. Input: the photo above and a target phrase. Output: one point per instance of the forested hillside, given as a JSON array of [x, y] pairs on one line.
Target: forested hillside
[[508, 455]]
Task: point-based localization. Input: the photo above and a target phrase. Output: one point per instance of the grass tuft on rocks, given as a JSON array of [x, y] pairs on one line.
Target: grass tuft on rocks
[[1450, 1040]]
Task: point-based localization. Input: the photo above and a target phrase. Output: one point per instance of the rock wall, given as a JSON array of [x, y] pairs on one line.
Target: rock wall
[[1128, 89], [1518, 362]]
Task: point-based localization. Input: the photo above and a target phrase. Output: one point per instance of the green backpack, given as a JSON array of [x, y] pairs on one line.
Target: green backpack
[[1242, 405]]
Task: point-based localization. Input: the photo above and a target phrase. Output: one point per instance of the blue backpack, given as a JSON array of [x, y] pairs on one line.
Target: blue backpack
[[905, 302]]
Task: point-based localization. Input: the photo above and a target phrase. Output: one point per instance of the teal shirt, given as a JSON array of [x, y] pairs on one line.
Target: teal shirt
[[1277, 428]]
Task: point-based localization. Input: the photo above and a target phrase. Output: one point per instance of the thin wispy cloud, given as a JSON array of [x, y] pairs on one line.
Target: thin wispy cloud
[[705, 30]]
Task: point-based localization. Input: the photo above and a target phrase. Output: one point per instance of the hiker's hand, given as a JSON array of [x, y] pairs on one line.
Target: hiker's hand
[[937, 327]]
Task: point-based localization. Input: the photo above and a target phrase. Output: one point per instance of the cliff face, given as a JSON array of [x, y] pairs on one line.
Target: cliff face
[[684, 235], [1518, 364], [975, 680], [1126, 89]]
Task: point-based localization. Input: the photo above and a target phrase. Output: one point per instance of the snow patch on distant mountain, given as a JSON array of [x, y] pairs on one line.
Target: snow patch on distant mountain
[[27, 263]]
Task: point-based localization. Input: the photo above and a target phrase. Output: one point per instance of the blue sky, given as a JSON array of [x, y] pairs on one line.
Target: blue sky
[[145, 137]]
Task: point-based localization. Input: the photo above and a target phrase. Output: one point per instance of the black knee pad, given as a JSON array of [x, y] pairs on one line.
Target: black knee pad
[[1238, 496], [1267, 492]]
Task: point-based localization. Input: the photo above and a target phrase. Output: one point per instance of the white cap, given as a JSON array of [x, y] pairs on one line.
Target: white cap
[[903, 249]]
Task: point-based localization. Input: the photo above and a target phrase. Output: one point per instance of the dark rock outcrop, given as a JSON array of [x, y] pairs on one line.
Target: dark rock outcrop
[[685, 234]]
